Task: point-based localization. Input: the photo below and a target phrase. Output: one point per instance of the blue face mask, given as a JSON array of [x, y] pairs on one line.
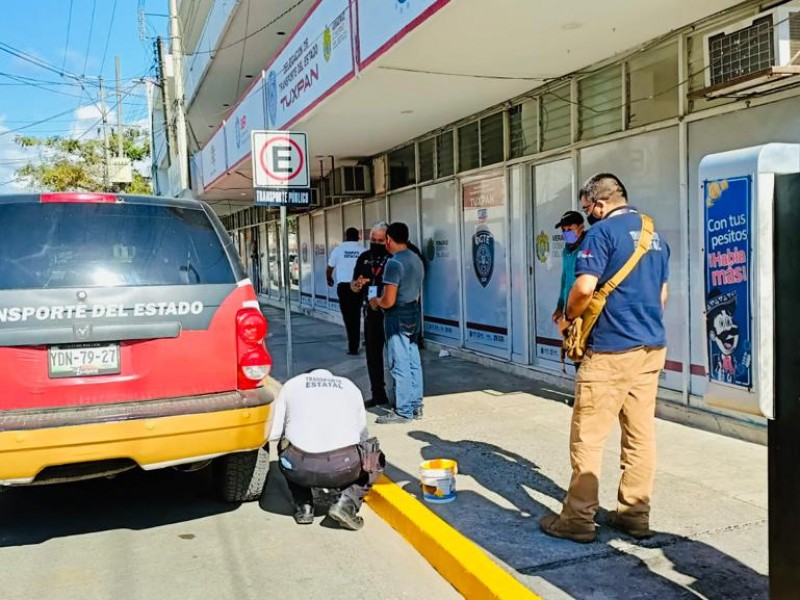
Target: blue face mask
[[570, 236]]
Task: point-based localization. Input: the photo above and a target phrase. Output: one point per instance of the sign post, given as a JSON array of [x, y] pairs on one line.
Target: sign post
[[281, 178]]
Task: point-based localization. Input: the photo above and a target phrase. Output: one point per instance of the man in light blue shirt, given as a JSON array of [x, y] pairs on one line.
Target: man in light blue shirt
[[402, 286], [571, 226]]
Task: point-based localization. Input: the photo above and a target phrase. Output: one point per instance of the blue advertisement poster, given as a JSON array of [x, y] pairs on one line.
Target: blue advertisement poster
[[728, 236]]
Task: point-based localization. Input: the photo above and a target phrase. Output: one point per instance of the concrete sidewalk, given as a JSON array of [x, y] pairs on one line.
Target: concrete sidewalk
[[510, 436]]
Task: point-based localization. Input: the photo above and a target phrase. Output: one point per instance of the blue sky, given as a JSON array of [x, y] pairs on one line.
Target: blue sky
[[29, 93]]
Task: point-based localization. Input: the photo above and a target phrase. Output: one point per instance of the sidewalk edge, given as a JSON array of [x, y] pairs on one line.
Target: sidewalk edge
[[458, 559], [461, 562]]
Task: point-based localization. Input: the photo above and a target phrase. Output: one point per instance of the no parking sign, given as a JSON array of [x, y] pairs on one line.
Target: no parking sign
[[280, 168]]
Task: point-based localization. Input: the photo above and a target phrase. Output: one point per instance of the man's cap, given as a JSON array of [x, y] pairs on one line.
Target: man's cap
[[570, 217]]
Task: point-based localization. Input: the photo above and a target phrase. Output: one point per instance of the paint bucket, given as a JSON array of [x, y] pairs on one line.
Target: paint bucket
[[438, 480]]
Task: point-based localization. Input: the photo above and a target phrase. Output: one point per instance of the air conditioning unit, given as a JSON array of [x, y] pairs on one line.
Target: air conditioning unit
[[351, 181], [755, 55]]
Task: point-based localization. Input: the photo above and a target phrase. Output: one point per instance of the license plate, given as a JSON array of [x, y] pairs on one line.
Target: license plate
[[83, 360]]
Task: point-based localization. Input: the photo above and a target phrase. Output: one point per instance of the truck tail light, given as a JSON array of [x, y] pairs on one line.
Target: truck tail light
[[87, 197], [254, 362]]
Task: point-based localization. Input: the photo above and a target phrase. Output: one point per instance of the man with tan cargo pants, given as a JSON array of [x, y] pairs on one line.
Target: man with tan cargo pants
[[618, 379]]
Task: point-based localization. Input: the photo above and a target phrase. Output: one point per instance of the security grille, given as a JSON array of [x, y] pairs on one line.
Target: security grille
[[741, 52]]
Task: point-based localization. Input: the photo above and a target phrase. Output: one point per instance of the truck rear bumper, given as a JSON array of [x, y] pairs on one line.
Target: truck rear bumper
[[152, 434]]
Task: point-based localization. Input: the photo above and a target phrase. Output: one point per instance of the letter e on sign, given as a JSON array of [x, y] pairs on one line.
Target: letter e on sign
[[280, 159]]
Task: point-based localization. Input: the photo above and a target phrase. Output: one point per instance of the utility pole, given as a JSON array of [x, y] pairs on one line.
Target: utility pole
[[166, 102], [180, 116], [104, 116], [119, 111]]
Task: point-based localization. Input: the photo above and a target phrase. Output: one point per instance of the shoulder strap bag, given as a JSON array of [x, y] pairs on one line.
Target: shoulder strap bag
[[576, 337]]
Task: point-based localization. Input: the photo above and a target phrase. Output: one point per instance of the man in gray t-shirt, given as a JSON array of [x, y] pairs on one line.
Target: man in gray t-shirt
[[402, 286]]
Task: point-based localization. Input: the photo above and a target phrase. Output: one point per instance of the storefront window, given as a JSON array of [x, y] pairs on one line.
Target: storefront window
[[444, 155], [492, 140], [653, 86], [600, 110], [524, 126], [402, 171], [426, 159], [556, 118], [469, 156]]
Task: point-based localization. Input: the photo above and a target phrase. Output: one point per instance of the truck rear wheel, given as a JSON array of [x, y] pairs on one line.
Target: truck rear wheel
[[242, 476]]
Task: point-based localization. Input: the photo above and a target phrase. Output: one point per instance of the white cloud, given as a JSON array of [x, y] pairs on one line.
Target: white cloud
[[87, 122], [12, 157]]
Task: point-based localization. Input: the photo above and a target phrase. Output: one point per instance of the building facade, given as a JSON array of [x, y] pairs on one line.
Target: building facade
[[476, 126]]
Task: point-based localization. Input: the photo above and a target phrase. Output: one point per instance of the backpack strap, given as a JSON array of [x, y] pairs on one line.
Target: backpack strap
[[645, 239]]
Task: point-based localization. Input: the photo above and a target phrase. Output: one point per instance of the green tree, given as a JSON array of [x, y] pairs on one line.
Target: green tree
[[67, 164]]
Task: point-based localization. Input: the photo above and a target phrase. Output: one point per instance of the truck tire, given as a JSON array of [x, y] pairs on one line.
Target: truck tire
[[242, 476]]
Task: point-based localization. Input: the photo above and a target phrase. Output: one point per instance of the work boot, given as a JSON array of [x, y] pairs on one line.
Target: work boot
[[304, 513], [636, 529], [555, 526], [345, 512]]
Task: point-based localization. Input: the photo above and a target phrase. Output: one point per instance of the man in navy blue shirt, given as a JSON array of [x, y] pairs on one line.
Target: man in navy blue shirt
[[618, 379]]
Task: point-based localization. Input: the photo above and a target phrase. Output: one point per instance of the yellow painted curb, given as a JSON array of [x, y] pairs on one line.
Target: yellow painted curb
[[459, 560]]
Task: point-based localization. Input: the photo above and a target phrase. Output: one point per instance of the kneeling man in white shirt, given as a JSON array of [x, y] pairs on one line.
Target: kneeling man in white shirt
[[321, 425]]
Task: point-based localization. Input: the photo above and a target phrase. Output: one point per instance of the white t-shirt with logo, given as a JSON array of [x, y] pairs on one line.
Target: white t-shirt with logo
[[319, 412], [343, 260]]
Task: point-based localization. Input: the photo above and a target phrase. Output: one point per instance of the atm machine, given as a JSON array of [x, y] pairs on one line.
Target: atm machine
[[751, 262]]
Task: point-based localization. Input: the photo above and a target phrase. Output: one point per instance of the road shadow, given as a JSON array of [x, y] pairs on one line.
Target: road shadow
[[505, 523], [133, 500]]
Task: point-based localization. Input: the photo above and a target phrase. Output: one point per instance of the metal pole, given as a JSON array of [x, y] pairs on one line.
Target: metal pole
[[180, 116], [119, 110], [106, 185], [287, 285]]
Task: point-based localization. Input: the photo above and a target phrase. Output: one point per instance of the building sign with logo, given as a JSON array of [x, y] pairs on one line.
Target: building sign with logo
[[214, 159], [318, 58], [728, 238], [485, 275], [382, 23], [248, 115]]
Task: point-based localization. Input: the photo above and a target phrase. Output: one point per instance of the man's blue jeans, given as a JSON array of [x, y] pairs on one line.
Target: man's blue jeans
[[406, 368]]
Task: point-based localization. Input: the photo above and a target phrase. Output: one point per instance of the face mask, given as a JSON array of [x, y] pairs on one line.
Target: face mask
[[570, 236], [592, 219], [377, 249]]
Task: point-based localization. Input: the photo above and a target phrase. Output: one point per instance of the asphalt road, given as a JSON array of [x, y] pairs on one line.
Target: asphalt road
[[160, 535]]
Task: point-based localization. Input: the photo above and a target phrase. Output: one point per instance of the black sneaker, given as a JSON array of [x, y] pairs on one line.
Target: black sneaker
[[345, 512], [392, 417], [418, 413], [373, 402], [304, 513]]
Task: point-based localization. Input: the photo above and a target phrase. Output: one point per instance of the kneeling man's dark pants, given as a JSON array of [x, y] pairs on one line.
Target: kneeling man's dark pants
[[339, 469]]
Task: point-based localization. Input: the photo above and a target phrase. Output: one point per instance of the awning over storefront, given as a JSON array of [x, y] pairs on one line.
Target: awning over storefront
[[361, 77]]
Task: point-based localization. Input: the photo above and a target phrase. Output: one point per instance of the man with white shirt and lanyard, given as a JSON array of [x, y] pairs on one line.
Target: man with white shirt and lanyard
[[321, 426], [340, 269]]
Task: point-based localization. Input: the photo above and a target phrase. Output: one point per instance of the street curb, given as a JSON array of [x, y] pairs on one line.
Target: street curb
[[458, 559]]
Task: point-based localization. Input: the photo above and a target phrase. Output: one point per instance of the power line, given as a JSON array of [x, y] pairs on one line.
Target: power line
[[39, 122], [108, 38], [69, 29], [89, 42]]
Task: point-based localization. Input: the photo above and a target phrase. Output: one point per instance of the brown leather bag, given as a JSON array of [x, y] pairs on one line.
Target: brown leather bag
[[576, 337]]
